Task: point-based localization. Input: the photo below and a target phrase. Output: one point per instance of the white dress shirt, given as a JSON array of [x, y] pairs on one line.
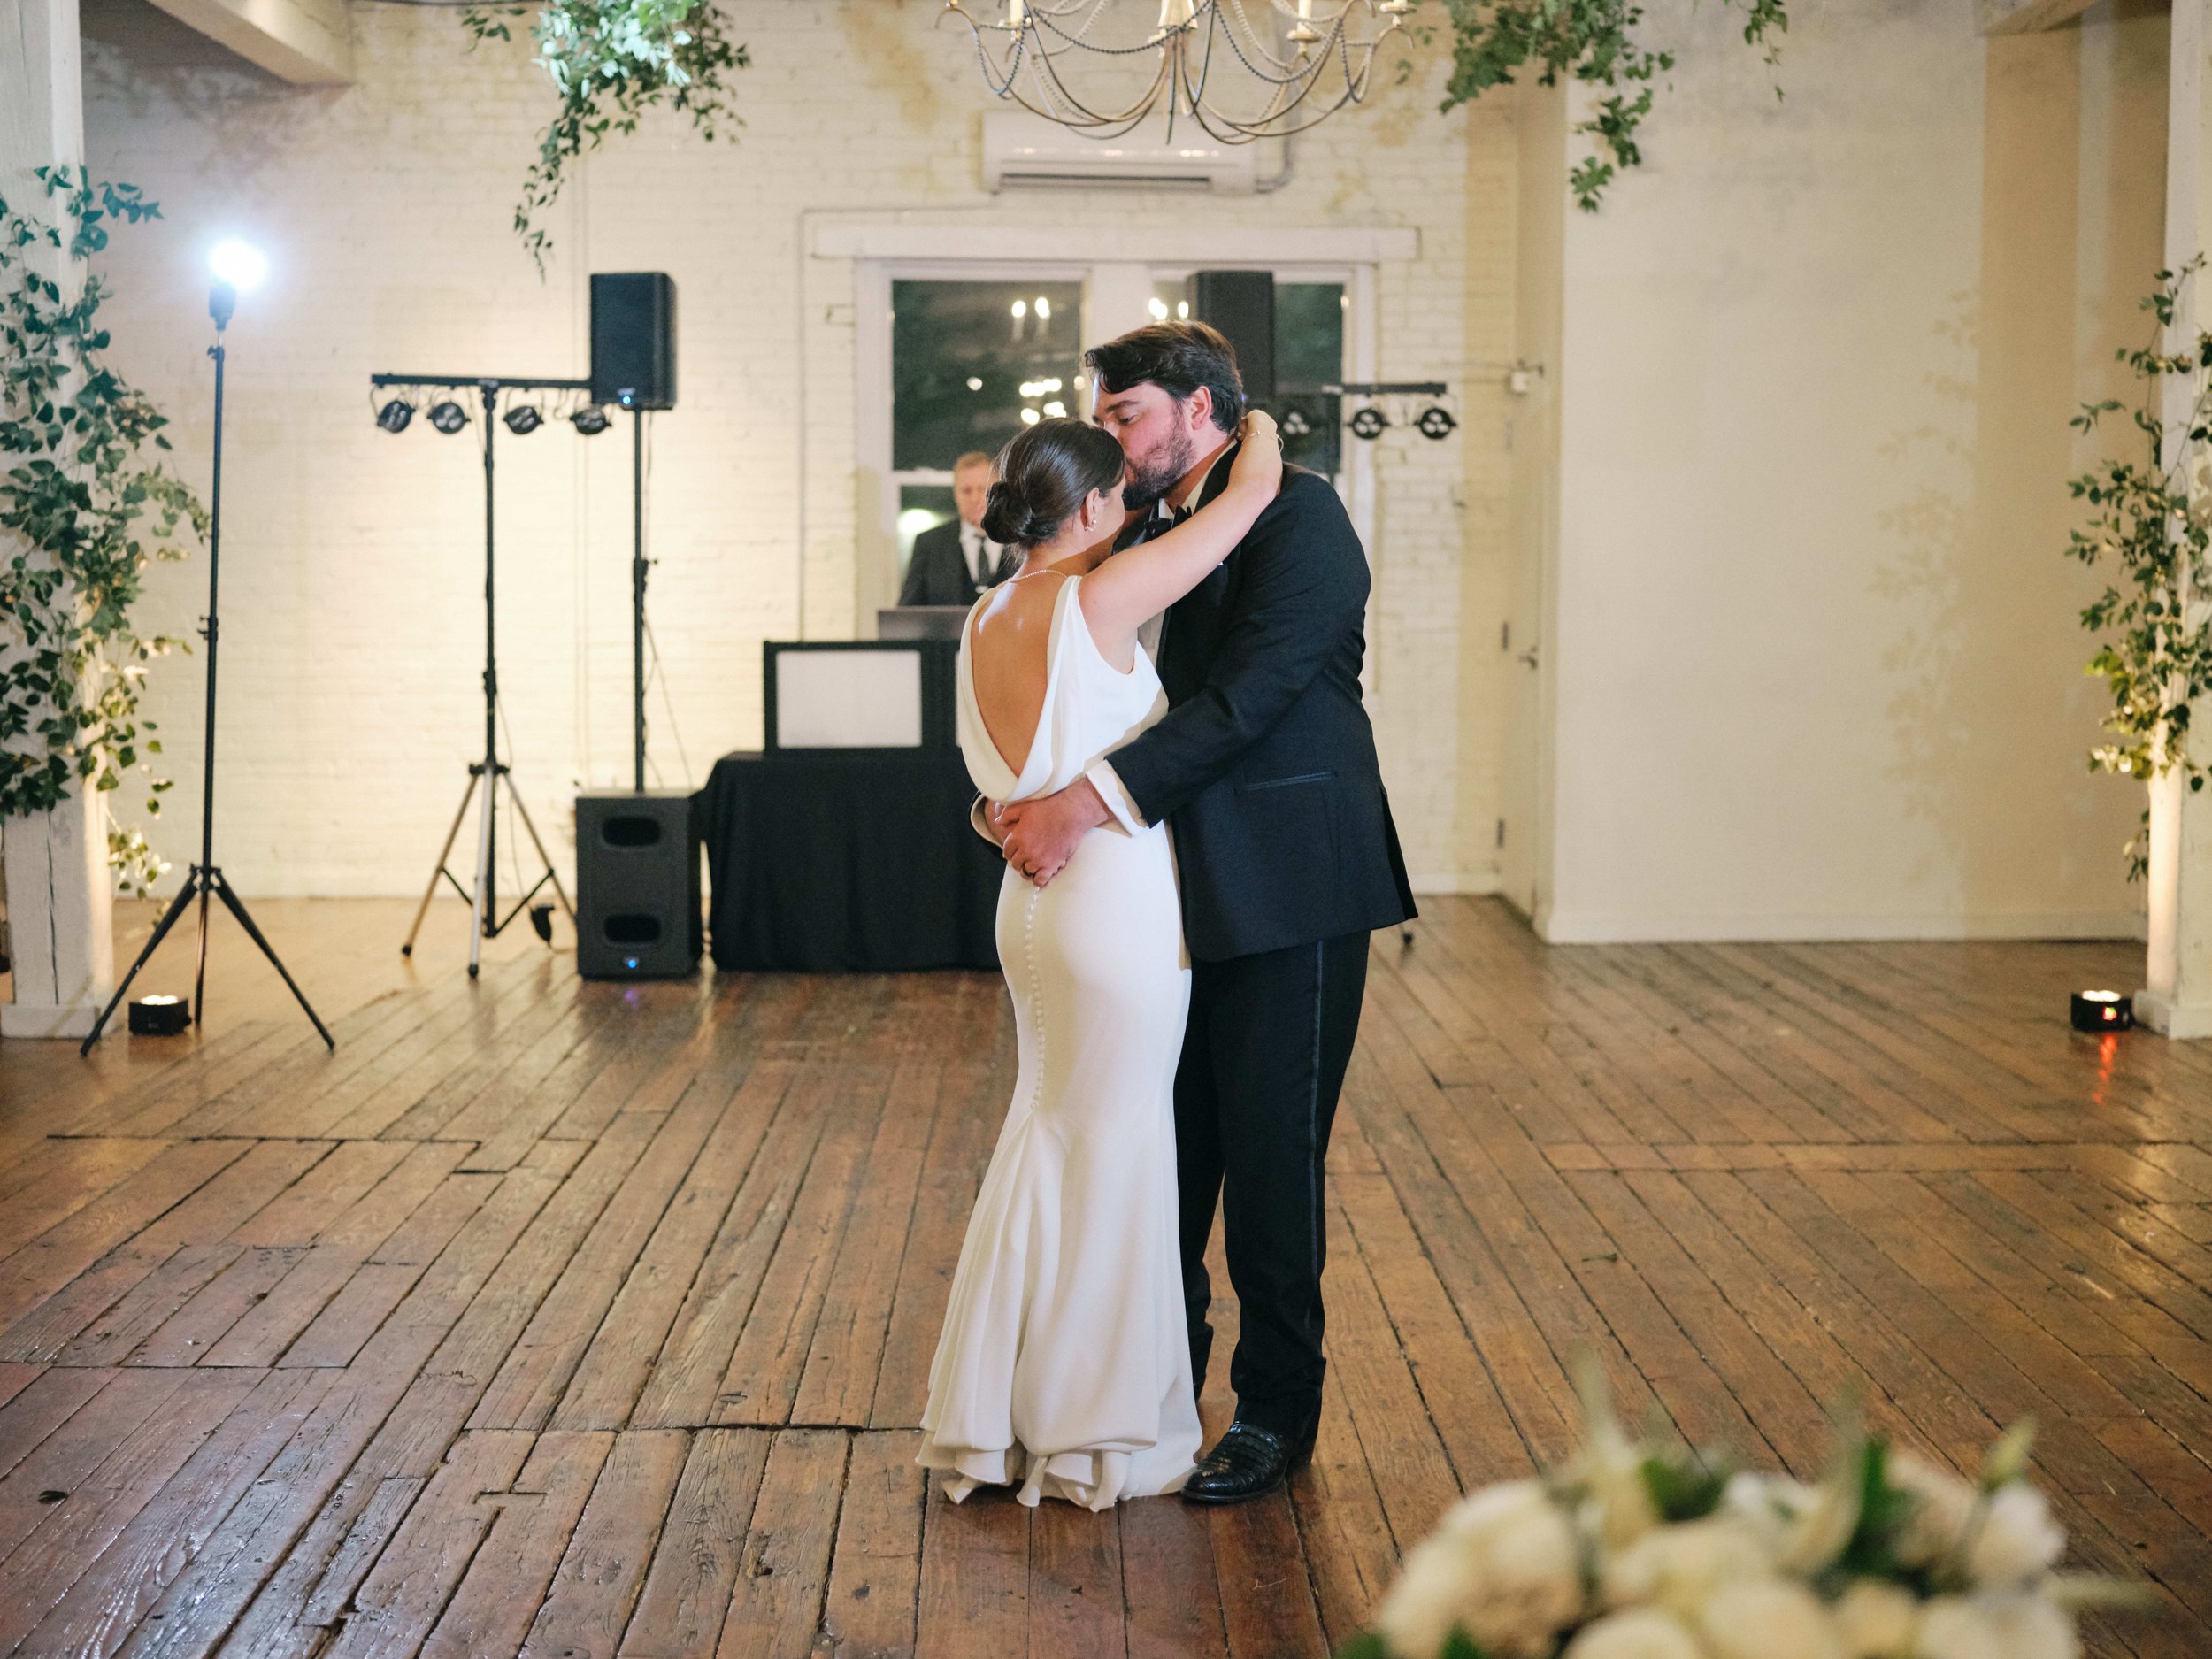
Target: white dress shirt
[[1103, 778], [981, 553]]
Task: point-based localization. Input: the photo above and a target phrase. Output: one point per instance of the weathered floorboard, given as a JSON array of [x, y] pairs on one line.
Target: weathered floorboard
[[594, 1322]]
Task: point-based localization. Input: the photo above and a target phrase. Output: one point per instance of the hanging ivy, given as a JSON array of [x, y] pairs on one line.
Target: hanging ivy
[[1595, 42], [611, 61], [88, 511], [2151, 526]]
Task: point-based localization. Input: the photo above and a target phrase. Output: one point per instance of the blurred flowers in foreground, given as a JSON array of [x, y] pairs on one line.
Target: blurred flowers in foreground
[[1640, 1548]]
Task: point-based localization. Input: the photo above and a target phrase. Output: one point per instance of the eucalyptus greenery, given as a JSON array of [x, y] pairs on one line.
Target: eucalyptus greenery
[[2151, 525], [611, 61], [1591, 41], [88, 511]]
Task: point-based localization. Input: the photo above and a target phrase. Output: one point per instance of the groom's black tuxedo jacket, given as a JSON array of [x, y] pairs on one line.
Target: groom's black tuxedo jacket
[[1265, 766]]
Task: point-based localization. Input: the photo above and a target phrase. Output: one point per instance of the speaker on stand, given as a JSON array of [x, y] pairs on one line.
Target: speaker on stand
[[638, 912], [1241, 305]]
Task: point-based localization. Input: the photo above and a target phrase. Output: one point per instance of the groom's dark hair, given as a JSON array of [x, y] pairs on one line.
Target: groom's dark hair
[[1178, 359]]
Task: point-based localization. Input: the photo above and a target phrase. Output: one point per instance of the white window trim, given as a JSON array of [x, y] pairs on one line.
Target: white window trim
[[1213, 247]]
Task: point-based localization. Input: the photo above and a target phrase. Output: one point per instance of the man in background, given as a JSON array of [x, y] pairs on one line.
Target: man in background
[[955, 561]]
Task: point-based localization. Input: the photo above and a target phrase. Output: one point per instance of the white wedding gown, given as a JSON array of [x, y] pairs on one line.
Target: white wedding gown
[[1063, 1366]]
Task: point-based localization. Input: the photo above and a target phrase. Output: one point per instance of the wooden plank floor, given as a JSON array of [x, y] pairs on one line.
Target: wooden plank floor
[[570, 1321]]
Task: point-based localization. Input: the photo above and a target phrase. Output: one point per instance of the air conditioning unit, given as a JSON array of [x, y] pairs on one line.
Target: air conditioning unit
[[1024, 151]]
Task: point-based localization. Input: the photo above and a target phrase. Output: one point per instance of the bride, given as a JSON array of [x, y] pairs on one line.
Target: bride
[[1063, 1367]]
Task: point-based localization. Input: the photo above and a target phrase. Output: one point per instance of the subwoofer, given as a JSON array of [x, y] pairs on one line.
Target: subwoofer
[[633, 339], [637, 887]]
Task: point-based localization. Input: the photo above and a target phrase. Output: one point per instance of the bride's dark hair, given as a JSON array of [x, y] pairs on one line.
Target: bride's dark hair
[[1044, 475]]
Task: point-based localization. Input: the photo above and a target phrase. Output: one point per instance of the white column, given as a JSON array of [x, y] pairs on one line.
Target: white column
[[1116, 301], [2177, 999], [56, 862]]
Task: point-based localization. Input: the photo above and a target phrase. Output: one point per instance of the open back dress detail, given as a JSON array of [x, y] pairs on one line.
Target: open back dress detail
[[1063, 1367]]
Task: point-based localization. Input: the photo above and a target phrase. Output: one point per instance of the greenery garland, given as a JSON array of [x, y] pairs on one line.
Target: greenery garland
[[89, 514], [1594, 42], [611, 61], [2151, 521]]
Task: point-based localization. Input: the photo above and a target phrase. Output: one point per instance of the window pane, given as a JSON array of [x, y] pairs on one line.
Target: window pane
[[1310, 354], [1170, 300], [921, 507], [972, 363]]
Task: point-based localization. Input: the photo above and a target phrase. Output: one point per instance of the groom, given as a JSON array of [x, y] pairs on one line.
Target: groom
[[1264, 769]]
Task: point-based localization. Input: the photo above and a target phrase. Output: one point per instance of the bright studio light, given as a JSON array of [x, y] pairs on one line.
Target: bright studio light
[[239, 264]]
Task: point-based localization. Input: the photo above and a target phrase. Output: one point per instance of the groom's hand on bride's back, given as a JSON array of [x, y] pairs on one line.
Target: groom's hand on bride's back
[[1041, 835]]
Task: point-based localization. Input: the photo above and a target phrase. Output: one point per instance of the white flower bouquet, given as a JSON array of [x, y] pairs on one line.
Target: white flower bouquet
[[1642, 1549]]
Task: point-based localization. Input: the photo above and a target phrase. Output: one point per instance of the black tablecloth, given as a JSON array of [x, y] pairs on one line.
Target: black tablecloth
[[826, 860]]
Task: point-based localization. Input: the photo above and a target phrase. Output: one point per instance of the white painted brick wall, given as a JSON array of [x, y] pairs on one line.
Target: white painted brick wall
[[352, 564]]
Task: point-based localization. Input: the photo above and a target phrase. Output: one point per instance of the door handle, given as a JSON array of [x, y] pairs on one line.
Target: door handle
[[1527, 659]]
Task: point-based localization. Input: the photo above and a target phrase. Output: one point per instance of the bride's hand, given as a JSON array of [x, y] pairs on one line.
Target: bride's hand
[[1260, 460]]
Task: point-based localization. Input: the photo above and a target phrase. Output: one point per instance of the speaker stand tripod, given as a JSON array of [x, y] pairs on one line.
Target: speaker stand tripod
[[483, 898], [491, 772], [206, 880]]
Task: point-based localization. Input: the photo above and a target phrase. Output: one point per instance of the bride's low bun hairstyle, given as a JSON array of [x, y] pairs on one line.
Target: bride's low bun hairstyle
[[1044, 475]]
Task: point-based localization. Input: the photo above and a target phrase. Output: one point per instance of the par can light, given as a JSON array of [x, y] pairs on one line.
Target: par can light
[[2102, 1011], [523, 420], [239, 264], [395, 415], [591, 420], [159, 1017], [449, 416]]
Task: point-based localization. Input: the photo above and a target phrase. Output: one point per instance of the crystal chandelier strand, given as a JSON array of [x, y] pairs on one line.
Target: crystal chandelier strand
[[1003, 79], [1047, 42], [1274, 122], [1051, 90]]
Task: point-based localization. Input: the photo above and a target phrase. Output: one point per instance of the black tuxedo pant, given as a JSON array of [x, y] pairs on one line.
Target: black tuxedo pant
[[1256, 1094]]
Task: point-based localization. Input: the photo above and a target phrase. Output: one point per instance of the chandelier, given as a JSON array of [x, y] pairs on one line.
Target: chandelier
[[1241, 69]]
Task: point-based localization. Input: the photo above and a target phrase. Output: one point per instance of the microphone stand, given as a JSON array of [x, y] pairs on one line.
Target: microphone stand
[[206, 880]]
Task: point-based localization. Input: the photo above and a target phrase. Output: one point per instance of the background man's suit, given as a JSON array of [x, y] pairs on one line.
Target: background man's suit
[[938, 574], [1264, 769]]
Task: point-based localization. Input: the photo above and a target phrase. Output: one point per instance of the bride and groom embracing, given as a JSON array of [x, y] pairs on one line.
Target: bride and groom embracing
[[1196, 852]]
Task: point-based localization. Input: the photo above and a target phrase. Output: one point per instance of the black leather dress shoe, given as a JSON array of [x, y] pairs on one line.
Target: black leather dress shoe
[[1248, 1462]]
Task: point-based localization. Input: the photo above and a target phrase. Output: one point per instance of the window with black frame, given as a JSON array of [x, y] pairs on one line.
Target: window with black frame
[[972, 364], [1309, 354]]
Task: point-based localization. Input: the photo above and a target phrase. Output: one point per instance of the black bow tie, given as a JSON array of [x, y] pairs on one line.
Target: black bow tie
[[1157, 524]]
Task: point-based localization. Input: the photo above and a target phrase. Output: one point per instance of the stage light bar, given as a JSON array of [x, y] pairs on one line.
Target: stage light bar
[[395, 415], [591, 420], [523, 420], [449, 416]]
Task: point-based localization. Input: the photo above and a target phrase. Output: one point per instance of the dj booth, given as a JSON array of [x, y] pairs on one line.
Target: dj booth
[[844, 843]]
